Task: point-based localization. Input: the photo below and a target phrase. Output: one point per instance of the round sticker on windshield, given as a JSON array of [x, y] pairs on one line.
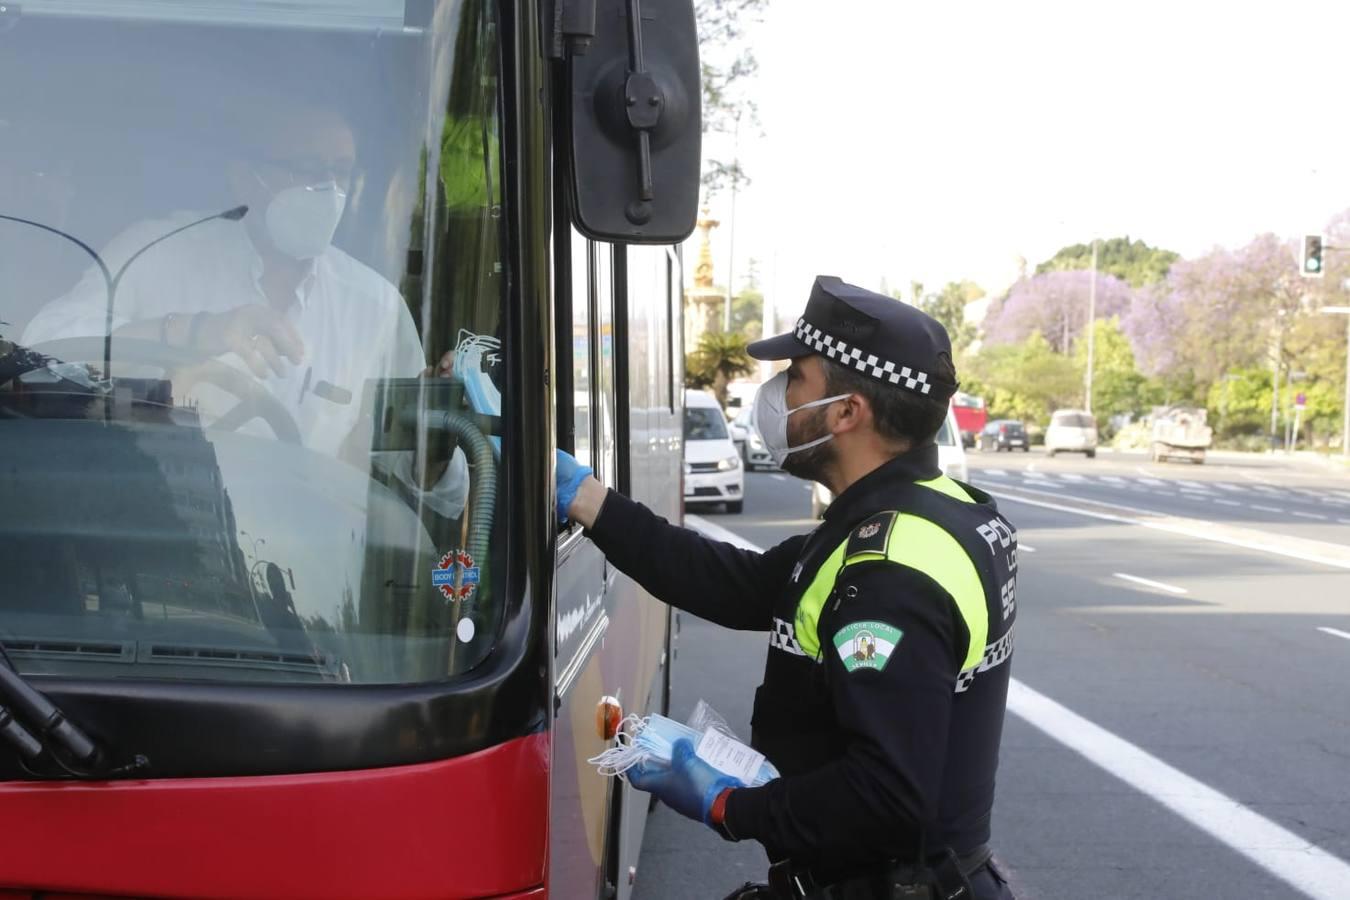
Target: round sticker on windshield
[[465, 630]]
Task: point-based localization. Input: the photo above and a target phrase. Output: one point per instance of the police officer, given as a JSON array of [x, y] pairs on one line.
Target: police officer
[[890, 625]]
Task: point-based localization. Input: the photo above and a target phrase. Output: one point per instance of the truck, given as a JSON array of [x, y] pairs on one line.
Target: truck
[[1180, 432]]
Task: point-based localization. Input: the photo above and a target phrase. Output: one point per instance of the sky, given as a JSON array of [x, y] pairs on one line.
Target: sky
[[940, 141]]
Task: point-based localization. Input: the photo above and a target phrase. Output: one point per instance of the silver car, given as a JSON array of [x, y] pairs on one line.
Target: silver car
[[748, 442]]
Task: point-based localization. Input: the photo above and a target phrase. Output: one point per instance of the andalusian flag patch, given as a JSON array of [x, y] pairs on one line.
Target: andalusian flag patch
[[866, 645]]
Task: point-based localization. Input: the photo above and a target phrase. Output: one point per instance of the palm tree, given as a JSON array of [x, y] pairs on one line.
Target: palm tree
[[719, 357]]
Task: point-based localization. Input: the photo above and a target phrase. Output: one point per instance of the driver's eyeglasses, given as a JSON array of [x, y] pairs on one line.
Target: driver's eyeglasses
[[300, 172]]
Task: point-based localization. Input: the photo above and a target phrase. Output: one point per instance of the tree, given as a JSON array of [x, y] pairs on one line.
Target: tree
[[948, 306], [1117, 384], [1134, 262], [747, 313], [1218, 313], [719, 357], [1027, 380], [1055, 304], [726, 62]]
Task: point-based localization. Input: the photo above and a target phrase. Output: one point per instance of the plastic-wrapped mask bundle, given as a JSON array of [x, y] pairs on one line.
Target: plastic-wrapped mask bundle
[[650, 742]]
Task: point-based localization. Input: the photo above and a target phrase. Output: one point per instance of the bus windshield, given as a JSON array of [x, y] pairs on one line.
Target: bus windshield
[[252, 283]]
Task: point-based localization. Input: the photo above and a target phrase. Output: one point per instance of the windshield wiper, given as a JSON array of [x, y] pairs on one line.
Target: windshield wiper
[[28, 746], [66, 743]]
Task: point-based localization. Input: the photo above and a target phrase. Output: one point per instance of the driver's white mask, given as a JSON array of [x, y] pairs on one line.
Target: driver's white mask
[[770, 417], [301, 220]]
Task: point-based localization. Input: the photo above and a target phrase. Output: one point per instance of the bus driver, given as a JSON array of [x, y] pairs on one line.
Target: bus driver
[[270, 293]]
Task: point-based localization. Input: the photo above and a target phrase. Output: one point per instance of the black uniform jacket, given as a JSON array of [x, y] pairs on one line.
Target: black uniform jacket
[[874, 760]]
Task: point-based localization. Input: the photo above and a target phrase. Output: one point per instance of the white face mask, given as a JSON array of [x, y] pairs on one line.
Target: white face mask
[[301, 220], [770, 417]]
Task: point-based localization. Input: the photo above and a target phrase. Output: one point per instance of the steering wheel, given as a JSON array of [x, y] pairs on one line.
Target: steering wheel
[[255, 401]]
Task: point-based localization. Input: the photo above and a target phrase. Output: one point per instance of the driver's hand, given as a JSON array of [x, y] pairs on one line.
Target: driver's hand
[[258, 334], [443, 369]]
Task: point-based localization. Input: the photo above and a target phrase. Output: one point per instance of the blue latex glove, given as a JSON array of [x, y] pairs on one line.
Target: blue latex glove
[[689, 786], [571, 474]]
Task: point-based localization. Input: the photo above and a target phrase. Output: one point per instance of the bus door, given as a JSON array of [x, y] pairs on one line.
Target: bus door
[[583, 617]]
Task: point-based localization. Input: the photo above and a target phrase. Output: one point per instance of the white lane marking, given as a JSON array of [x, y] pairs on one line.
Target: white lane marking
[[1266, 508], [1070, 476], [1225, 486], [1042, 482], [1148, 479], [1192, 485], [718, 533], [1148, 582], [1198, 495], [1114, 479], [996, 473], [1334, 631], [1311, 516], [1224, 502], [1285, 855], [1021, 547], [1267, 489], [1201, 529], [779, 477]]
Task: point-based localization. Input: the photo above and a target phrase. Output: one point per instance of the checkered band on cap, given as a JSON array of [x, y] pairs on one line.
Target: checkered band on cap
[[860, 359]]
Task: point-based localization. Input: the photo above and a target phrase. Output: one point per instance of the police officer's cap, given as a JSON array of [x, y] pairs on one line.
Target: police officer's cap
[[878, 336]]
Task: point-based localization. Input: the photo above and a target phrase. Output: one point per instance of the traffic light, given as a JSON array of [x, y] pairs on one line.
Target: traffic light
[[1312, 256]]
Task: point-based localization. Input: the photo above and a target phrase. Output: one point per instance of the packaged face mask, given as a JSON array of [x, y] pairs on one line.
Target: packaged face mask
[[649, 744]]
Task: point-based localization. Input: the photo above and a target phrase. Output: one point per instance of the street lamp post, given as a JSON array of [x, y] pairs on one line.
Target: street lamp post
[[1275, 382], [1091, 330], [1345, 411]]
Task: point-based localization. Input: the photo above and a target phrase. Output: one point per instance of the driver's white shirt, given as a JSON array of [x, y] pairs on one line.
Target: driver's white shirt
[[354, 324]]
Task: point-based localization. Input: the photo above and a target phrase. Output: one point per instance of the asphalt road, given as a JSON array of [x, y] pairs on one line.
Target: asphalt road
[[1178, 723]]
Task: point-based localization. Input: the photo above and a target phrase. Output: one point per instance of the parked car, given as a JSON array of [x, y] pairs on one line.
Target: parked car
[[748, 442], [1003, 434], [951, 460], [1072, 430], [712, 467]]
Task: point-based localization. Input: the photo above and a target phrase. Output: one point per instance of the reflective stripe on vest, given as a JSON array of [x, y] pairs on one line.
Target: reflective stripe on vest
[[920, 545]]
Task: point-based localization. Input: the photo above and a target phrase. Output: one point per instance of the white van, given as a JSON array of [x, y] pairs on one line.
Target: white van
[[951, 460], [1074, 430], [712, 466]]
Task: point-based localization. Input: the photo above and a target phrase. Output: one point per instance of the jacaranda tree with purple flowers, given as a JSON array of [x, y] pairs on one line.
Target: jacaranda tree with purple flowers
[[1056, 305]]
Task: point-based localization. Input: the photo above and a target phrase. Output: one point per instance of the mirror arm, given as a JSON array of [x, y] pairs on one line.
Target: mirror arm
[[644, 101], [571, 27]]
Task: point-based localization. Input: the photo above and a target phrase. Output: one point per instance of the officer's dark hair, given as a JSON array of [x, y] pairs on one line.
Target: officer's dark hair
[[900, 415]]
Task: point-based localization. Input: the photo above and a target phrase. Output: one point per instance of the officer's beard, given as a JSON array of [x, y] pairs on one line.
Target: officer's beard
[[812, 463]]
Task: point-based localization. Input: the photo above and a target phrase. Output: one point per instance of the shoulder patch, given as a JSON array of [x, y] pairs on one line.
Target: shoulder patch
[[866, 645], [871, 535]]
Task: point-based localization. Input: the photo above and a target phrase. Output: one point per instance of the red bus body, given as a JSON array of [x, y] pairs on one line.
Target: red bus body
[[971, 416]]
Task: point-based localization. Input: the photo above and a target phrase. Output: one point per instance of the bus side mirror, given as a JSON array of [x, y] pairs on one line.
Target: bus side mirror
[[635, 127]]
